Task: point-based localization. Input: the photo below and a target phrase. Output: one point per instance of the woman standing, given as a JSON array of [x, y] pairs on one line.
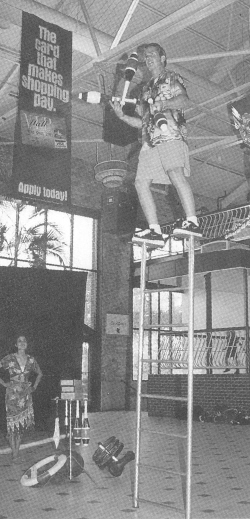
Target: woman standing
[[18, 397]]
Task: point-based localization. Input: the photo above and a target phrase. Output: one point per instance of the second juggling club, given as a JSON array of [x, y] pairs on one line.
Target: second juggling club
[[130, 71]]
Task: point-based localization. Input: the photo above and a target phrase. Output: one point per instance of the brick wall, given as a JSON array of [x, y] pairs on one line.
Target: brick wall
[[209, 390]]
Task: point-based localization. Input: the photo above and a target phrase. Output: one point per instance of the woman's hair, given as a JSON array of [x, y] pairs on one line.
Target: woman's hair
[[21, 335]]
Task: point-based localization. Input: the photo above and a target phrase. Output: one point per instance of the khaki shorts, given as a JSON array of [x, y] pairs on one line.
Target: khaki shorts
[[154, 163]]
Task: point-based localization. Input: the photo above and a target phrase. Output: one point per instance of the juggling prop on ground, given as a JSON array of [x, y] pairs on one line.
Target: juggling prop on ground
[[106, 456], [44, 470], [55, 469]]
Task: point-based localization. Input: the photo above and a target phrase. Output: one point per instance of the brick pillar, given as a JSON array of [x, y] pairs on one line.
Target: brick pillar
[[115, 297]]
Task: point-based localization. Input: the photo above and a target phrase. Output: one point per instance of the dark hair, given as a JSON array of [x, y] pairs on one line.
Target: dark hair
[[158, 48]]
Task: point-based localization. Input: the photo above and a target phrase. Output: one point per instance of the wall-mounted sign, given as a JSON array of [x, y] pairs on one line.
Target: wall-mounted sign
[[117, 324]]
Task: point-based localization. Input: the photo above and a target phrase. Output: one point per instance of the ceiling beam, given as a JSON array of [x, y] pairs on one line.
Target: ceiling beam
[[172, 24], [212, 55], [222, 143], [225, 65], [237, 89], [82, 41], [8, 116], [238, 192], [124, 24], [91, 28], [11, 10], [220, 166], [8, 79]]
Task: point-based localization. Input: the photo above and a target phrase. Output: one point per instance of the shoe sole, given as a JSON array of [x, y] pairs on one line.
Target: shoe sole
[[156, 243], [186, 232]]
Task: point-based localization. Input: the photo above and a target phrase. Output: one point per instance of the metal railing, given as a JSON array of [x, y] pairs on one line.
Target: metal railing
[[229, 223], [215, 351]]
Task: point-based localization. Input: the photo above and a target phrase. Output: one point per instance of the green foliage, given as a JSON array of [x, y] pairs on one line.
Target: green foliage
[[26, 233]]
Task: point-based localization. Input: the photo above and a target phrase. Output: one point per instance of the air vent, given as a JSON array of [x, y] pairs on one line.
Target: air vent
[[222, 245]]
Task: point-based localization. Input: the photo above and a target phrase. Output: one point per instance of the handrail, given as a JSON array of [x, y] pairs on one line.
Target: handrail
[[218, 349], [228, 223]]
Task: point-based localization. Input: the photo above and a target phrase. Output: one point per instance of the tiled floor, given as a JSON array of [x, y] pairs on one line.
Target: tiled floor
[[220, 475]]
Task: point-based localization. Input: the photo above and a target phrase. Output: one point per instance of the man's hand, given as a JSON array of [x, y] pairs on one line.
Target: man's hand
[[157, 106], [117, 108]]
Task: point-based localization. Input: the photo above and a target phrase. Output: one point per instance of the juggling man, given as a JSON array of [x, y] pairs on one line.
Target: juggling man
[[164, 157]]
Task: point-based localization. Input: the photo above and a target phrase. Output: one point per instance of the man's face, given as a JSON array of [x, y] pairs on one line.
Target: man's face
[[153, 59]]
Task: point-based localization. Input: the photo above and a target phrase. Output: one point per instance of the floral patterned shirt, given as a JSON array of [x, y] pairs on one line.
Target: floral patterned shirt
[[169, 84]]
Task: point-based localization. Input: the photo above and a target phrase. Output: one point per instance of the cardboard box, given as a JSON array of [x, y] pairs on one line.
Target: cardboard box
[[67, 389], [68, 396]]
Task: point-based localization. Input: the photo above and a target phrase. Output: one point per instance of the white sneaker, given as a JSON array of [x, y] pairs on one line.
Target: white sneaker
[[150, 236], [187, 228]]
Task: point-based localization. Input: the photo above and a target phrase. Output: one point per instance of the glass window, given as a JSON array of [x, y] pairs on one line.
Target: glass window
[[145, 354], [58, 238], [160, 308], [32, 236], [7, 232], [83, 242], [177, 308]]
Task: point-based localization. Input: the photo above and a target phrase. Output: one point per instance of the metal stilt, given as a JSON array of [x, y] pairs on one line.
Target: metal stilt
[[139, 376], [190, 374], [189, 398]]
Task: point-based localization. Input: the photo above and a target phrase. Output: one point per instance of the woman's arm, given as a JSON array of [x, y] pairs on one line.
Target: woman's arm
[[38, 378]]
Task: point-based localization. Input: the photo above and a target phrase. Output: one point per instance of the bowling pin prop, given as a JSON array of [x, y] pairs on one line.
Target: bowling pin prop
[[56, 436], [77, 427], [85, 425], [66, 418], [130, 71]]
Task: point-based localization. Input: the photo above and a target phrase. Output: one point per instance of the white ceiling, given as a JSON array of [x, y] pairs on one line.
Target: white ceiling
[[207, 41]]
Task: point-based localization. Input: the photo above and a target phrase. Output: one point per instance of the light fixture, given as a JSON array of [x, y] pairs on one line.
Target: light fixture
[[111, 173]]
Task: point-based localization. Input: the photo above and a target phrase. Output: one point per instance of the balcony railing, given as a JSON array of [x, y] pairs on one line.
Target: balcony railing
[[214, 352], [228, 223]]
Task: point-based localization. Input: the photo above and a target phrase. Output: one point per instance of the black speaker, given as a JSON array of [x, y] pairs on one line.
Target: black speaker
[[119, 210]]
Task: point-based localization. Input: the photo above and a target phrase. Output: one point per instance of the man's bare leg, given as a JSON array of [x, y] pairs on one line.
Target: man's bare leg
[[190, 226], [147, 202], [154, 234], [184, 191]]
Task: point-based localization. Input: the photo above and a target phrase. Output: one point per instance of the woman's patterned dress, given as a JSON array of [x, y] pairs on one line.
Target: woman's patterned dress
[[18, 397]]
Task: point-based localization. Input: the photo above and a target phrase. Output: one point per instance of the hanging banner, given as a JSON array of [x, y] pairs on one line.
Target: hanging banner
[[42, 147]]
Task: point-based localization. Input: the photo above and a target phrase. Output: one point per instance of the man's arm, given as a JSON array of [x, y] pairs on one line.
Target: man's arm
[[135, 122]]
